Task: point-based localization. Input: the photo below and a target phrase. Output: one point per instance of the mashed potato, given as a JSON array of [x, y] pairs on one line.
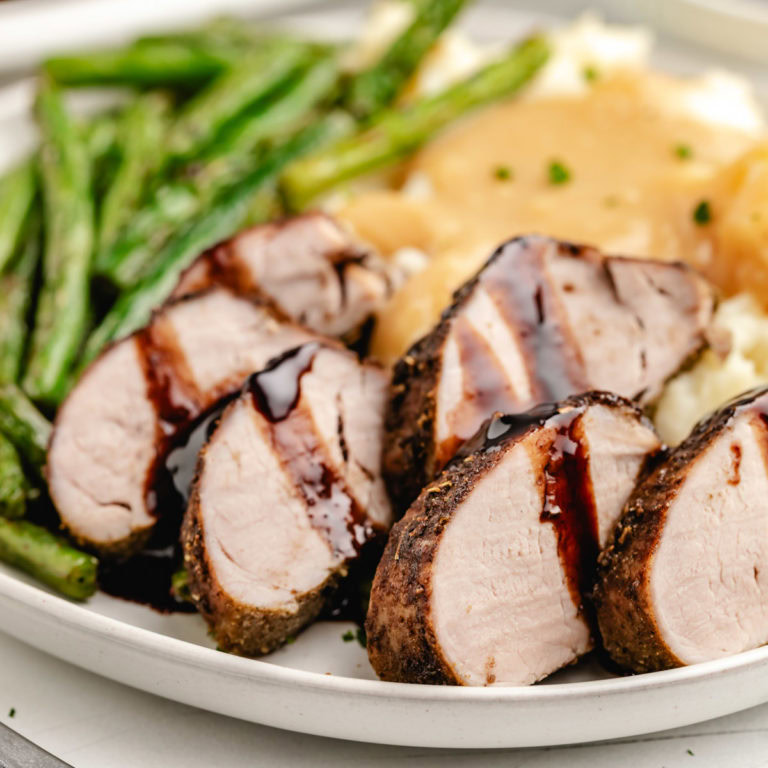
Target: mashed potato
[[642, 151], [741, 328]]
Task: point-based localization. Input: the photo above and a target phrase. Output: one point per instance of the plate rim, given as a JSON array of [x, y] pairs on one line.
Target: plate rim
[[80, 618]]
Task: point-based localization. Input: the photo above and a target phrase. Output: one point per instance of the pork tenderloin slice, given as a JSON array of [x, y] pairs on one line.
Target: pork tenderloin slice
[[138, 398], [541, 321], [685, 579], [310, 268], [482, 581], [103, 445], [288, 490]]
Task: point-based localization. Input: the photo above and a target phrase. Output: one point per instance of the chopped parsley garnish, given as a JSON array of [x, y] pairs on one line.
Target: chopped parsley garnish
[[702, 214], [503, 172], [683, 151], [690, 752], [290, 639], [358, 634], [558, 173], [12, 712], [590, 74]]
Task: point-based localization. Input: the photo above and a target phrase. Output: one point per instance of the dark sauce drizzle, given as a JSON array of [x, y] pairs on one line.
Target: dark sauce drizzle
[[568, 502], [569, 505], [146, 577], [485, 388], [525, 296], [276, 389], [339, 263], [182, 430], [333, 511]]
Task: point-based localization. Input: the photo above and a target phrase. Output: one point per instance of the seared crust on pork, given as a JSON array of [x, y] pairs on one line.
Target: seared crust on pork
[[237, 627], [540, 321], [623, 595], [286, 495], [404, 642]]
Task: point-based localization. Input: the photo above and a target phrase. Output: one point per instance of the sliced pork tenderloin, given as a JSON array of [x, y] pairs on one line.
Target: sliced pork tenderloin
[[288, 490], [310, 268], [685, 579], [541, 321], [134, 402], [482, 581]]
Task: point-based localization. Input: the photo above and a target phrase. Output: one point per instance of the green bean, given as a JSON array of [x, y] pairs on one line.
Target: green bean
[[17, 193], [396, 134], [372, 90], [16, 292], [99, 134], [48, 558], [230, 157], [180, 585], [240, 204], [282, 116], [14, 488], [171, 205], [222, 33], [62, 307], [24, 425], [255, 77], [140, 134], [144, 64]]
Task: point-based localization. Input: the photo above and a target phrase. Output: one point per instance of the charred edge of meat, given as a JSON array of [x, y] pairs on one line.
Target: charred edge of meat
[[409, 450], [275, 392], [621, 596], [404, 573], [409, 460], [404, 577], [502, 428], [235, 626], [408, 454]]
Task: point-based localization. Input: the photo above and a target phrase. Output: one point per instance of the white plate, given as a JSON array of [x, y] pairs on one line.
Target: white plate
[[321, 684]]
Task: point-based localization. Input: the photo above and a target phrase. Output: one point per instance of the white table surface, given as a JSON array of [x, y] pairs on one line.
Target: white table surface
[[93, 723]]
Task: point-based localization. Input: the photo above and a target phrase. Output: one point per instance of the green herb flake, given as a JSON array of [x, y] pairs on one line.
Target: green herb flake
[[683, 151], [590, 74], [558, 173], [12, 712], [355, 634], [702, 213], [503, 173], [290, 639], [690, 752]]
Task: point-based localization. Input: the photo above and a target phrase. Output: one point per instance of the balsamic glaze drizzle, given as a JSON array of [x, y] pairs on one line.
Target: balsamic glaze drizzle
[[525, 296], [276, 392], [276, 389], [568, 502]]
